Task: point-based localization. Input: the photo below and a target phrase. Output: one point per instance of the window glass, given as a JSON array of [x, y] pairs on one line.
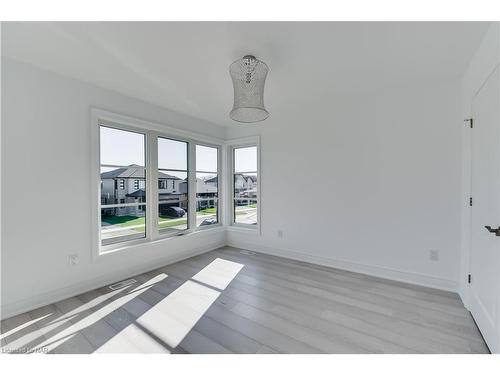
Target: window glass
[[172, 154], [206, 158], [245, 159], [207, 186], [121, 147], [123, 193], [245, 185], [173, 203]]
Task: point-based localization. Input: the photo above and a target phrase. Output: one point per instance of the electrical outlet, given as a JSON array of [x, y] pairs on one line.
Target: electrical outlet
[[434, 255], [280, 234], [73, 259]]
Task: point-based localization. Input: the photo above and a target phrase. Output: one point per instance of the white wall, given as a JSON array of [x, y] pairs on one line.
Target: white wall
[[46, 196], [483, 63], [371, 183]]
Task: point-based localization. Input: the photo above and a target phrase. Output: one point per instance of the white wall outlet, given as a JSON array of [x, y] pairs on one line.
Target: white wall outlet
[[434, 255], [280, 234], [73, 259]]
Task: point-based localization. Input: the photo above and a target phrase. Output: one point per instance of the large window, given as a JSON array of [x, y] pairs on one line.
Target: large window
[[207, 186], [245, 184], [151, 182], [123, 202], [173, 185]]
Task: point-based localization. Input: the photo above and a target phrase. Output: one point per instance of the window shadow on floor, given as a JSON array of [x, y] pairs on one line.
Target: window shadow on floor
[[152, 315]]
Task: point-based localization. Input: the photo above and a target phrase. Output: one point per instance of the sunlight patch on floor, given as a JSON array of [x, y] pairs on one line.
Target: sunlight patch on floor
[[219, 273], [159, 330], [86, 306], [132, 339], [22, 326], [172, 318], [57, 339]]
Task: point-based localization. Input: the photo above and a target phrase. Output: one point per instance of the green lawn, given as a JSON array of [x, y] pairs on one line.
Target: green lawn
[[123, 221], [171, 223], [207, 211], [245, 207]]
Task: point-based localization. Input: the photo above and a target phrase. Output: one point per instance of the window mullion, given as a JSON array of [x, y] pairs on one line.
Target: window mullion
[[192, 185], [230, 186], [152, 186], [222, 206]]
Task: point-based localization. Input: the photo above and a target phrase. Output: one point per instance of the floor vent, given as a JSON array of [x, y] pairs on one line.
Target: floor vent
[[247, 252], [122, 284]]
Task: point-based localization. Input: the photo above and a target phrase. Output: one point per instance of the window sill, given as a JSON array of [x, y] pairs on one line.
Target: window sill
[[104, 253], [243, 229]]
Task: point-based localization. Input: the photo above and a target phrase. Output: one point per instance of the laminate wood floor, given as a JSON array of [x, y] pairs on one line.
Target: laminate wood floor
[[226, 301]]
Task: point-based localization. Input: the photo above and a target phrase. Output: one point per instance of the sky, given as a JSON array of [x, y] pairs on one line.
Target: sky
[[172, 154], [245, 159], [123, 148]]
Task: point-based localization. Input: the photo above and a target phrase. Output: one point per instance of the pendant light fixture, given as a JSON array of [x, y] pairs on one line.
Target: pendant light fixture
[[249, 76]]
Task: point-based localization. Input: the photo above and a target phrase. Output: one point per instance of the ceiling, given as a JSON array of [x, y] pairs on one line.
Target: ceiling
[[183, 66]]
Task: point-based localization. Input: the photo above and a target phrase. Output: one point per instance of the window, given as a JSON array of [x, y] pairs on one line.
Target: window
[[173, 204], [132, 208], [207, 186], [122, 153], [139, 184], [245, 185]]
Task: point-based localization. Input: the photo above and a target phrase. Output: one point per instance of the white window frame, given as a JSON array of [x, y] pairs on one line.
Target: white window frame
[[231, 145], [152, 131], [220, 149], [125, 127], [189, 164]]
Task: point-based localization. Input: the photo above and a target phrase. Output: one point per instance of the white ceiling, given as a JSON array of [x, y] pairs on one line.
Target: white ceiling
[[184, 65]]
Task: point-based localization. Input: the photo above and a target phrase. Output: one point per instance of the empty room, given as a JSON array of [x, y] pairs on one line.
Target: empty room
[[189, 187]]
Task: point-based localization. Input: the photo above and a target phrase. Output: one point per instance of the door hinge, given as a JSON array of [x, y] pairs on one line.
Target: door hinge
[[470, 201], [469, 278], [470, 121]]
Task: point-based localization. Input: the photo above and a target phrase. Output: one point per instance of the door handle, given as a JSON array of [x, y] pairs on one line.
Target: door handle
[[491, 230]]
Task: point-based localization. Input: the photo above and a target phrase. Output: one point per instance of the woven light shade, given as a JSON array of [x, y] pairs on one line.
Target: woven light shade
[[249, 76]]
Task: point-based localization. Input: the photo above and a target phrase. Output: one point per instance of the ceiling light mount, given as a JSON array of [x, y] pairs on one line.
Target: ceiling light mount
[[249, 76]]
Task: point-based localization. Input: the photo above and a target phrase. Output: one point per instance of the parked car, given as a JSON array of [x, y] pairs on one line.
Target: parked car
[[209, 221], [173, 212]]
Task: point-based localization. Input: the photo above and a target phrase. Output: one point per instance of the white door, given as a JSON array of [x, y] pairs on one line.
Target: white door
[[485, 245]]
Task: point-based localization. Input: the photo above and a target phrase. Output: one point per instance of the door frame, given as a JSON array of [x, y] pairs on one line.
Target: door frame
[[466, 239], [466, 235]]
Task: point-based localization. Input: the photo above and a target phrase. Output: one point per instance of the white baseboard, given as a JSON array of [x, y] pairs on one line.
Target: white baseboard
[[372, 270], [44, 299]]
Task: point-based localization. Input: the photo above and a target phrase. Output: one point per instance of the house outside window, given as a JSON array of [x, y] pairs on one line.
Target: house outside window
[[173, 166], [207, 191], [122, 155], [245, 185]]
